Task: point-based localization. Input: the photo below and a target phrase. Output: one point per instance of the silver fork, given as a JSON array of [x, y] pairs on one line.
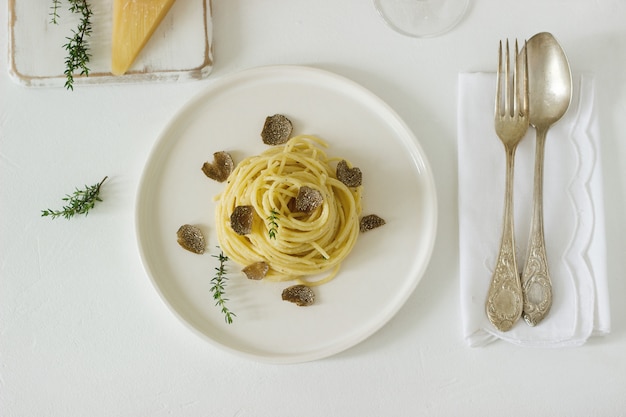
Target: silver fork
[[504, 299]]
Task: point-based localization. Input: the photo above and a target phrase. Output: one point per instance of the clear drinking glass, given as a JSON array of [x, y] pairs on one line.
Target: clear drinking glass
[[422, 18]]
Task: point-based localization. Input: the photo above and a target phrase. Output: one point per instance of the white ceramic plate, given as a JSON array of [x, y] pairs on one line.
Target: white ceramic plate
[[377, 277]]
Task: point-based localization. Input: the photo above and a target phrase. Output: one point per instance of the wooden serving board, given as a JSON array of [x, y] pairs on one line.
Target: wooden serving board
[[180, 49]]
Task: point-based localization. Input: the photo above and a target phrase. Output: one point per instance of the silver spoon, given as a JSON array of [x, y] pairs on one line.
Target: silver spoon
[[550, 93]]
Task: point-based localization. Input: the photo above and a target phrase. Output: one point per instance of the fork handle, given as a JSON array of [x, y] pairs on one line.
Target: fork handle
[[536, 284], [504, 298]]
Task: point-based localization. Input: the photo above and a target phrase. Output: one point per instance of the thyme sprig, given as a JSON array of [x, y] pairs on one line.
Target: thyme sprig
[[54, 11], [77, 47], [218, 286], [273, 224], [80, 202]]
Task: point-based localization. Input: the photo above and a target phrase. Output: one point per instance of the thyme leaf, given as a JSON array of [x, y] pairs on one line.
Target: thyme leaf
[[273, 224], [79, 202], [218, 287]]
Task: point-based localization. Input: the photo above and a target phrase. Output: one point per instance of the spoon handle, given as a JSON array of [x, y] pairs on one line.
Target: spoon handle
[[504, 298], [536, 284]]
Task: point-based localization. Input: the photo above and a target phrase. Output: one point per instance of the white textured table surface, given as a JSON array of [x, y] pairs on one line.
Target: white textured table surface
[[84, 333]]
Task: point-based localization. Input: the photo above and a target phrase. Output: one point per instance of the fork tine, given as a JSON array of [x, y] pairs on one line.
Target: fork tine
[[526, 103], [517, 100], [521, 102], [520, 79], [507, 83], [498, 82]]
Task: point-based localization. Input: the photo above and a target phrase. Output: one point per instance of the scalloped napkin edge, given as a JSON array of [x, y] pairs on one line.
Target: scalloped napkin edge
[[573, 216]]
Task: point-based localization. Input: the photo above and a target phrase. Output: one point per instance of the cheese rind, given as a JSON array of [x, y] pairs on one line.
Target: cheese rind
[[134, 22]]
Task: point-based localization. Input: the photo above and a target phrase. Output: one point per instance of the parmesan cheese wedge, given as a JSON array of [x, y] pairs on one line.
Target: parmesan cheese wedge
[[134, 22]]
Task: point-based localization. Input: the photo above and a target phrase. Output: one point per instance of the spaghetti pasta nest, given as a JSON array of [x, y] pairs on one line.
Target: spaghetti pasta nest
[[303, 245]]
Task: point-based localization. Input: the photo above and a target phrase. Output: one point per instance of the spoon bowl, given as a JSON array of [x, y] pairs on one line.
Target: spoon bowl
[[550, 94], [549, 80]]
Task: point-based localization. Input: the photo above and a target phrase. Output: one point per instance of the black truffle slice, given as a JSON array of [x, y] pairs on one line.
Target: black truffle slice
[[308, 199], [256, 271], [221, 167], [276, 130], [351, 177], [370, 222], [299, 294], [241, 219], [191, 238]]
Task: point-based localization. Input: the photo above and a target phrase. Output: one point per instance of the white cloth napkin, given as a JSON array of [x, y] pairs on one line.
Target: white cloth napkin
[[573, 216]]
